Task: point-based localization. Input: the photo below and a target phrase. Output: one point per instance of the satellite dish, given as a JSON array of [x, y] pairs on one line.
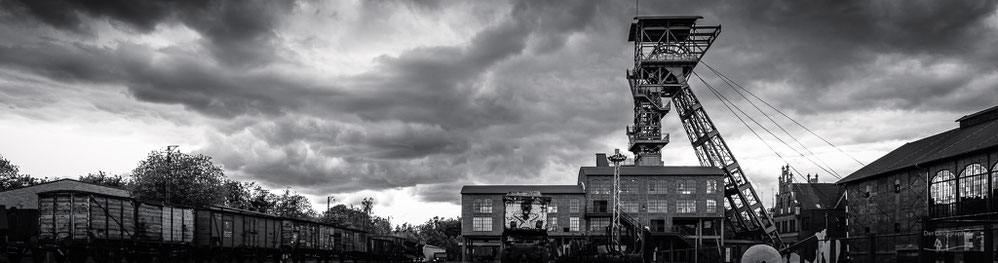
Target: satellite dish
[[761, 254]]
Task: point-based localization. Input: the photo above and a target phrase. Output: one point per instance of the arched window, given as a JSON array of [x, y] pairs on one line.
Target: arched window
[[943, 188], [974, 182], [994, 180]]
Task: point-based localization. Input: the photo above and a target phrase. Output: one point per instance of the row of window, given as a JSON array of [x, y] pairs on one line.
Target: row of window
[[573, 224], [973, 184], [655, 186], [662, 206], [574, 206], [484, 224]]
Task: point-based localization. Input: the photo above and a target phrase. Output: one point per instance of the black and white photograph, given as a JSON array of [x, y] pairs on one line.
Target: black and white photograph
[[505, 131]]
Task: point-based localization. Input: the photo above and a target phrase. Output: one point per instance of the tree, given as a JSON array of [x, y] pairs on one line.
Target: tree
[[358, 217], [237, 194], [443, 232], [179, 178], [294, 205], [11, 177], [102, 178]]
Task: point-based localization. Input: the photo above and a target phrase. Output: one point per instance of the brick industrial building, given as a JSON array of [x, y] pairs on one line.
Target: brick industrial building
[[931, 199], [802, 209], [672, 201]]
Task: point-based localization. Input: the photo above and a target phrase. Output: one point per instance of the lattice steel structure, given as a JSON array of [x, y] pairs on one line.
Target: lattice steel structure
[[666, 49], [615, 225]]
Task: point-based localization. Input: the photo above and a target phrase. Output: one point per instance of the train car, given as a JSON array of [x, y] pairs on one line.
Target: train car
[[223, 232], [80, 225], [394, 249]]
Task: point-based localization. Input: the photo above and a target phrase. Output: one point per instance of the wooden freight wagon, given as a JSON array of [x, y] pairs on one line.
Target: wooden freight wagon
[[300, 234], [229, 228], [85, 217]]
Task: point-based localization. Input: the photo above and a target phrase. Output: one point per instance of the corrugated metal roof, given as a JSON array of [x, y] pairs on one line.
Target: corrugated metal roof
[[933, 148], [653, 170], [503, 189], [817, 195]]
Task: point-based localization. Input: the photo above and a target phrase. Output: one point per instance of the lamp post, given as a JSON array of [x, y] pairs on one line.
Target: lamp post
[[616, 158]]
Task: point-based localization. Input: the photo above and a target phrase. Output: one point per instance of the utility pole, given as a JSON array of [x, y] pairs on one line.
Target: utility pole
[[169, 171], [616, 158]]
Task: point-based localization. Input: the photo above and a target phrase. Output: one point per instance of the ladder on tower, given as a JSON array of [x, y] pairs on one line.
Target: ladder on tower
[[666, 49]]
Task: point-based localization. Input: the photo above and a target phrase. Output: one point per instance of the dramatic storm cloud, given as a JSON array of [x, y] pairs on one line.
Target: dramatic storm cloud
[[407, 101]]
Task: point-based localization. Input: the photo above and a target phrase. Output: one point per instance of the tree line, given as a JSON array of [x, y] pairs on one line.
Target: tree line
[[193, 179]]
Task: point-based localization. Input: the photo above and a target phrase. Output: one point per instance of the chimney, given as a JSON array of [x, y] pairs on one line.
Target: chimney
[[601, 160]]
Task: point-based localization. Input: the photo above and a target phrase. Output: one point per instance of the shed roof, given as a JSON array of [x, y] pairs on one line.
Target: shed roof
[[933, 148], [503, 189]]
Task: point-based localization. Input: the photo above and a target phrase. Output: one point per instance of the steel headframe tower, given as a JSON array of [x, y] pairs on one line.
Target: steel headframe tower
[[616, 158], [666, 49]]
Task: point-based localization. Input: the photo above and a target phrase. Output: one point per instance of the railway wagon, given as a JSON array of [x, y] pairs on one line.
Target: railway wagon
[[223, 232], [79, 226], [310, 239], [84, 224], [394, 249]]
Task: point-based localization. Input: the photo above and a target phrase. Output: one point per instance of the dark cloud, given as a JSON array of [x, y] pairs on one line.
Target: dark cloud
[[236, 32], [536, 89]]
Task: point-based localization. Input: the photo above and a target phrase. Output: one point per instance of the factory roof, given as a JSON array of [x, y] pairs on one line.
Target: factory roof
[[503, 189], [652, 170], [978, 131]]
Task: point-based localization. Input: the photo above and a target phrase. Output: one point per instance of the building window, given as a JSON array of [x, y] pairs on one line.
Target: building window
[[599, 206], [657, 206], [973, 182], [656, 187], [711, 206], [573, 224], [994, 179], [573, 206], [711, 186], [599, 186], [657, 225], [553, 224], [553, 207], [686, 206], [482, 224], [599, 224], [630, 207], [686, 186], [628, 186], [483, 206], [943, 188]]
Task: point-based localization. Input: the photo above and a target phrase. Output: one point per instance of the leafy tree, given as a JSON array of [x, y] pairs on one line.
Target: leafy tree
[[358, 217], [179, 178], [262, 200], [11, 177], [294, 205], [443, 232], [102, 178], [237, 194]]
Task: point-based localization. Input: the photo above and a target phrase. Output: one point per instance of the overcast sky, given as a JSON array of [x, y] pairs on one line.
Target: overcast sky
[[408, 101]]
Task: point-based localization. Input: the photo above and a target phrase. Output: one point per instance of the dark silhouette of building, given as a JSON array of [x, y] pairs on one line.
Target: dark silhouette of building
[[933, 198], [803, 209]]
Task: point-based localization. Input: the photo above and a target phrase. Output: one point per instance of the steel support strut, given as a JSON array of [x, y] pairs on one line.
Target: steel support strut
[[666, 49]]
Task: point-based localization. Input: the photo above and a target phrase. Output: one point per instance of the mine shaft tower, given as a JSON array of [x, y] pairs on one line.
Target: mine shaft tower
[[666, 49]]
